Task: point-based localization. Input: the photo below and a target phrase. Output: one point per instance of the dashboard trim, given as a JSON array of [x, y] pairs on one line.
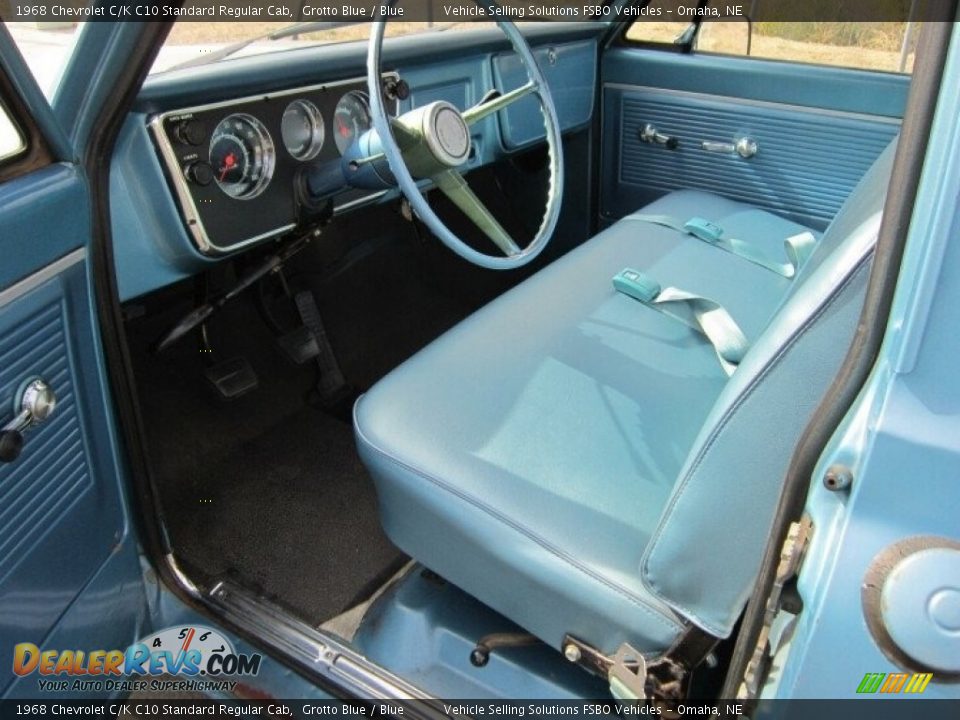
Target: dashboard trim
[[188, 208]]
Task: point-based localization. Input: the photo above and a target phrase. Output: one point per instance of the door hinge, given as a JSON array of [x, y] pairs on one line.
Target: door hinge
[[791, 558]]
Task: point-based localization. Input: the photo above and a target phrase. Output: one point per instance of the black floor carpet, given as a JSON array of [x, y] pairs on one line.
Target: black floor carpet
[[291, 511]]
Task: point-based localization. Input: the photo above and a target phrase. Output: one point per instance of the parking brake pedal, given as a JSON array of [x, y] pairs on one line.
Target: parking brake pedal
[[232, 378]]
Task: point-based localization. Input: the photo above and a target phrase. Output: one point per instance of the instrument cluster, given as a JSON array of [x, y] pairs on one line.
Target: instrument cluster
[[233, 165]]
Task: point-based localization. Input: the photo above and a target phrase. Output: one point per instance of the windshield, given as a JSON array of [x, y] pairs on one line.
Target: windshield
[[197, 43], [194, 41]]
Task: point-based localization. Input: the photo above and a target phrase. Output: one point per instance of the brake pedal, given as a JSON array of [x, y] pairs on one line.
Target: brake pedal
[[299, 345], [232, 378]]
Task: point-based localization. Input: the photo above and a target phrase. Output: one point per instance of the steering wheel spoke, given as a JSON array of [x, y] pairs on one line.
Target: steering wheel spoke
[[481, 110], [454, 186]]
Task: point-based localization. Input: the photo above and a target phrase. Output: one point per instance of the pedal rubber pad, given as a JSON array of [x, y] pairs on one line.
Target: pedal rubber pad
[[232, 378], [299, 345]]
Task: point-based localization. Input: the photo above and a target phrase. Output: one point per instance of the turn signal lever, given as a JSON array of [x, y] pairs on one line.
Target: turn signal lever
[[37, 403]]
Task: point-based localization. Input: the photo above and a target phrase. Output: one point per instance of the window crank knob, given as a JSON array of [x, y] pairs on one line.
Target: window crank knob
[[11, 444], [39, 401]]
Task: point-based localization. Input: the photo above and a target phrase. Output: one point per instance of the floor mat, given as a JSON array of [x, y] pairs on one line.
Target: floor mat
[[292, 511]]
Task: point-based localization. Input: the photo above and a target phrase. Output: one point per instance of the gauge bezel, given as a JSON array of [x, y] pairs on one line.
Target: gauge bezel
[[193, 222], [364, 101], [318, 133], [268, 154]]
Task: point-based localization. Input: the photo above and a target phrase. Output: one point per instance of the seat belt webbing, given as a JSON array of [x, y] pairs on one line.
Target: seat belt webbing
[[798, 247], [706, 316]]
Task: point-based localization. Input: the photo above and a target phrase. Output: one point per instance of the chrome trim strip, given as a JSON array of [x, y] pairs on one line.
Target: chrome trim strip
[[185, 582], [22, 287], [188, 208], [312, 649], [754, 103]]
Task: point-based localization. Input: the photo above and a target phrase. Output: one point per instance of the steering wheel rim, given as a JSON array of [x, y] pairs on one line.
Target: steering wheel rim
[[408, 185]]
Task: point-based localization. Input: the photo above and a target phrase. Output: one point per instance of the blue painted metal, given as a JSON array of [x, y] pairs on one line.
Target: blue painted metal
[[107, 614], [29, 239], [900, 441], [571, 70], [827, 88], [437, 626], [151, 247]]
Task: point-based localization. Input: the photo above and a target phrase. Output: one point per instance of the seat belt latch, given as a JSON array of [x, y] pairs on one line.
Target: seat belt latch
[[703, 229], [637, 285]]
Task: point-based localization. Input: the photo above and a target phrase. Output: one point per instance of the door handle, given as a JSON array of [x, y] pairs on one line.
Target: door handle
[[745, 147], [37, 402]]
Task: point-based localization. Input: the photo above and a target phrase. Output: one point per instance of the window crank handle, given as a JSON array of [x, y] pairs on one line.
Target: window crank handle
[[650, 134], [37, 402]]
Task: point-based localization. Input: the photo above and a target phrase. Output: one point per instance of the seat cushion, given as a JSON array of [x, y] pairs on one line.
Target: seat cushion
[[528, 453]]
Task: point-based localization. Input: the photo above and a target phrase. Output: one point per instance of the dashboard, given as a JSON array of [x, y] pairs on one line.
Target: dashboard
[[234, 165], [189, 188]]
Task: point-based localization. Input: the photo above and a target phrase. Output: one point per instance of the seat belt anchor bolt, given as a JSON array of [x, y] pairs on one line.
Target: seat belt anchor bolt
[[837, 477]]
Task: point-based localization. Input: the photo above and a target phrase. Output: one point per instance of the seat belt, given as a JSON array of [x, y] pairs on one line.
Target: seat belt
[[798, 247], [706, 316]]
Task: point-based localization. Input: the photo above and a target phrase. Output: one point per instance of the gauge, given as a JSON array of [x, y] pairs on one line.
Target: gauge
[[302, 130], [351, 119], [242, 156]]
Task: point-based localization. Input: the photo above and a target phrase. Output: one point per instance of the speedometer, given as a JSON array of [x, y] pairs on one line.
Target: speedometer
[[242, 156], [351, 119]]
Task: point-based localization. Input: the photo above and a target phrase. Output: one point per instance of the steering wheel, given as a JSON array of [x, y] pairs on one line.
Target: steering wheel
[[433, 141]]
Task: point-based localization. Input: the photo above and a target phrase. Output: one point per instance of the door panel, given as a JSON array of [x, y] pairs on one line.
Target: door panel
[[68, 563], [817, 130]]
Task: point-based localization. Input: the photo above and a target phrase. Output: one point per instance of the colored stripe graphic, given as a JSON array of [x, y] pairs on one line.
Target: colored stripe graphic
[[894, 683], [918, 683], [871, 682]]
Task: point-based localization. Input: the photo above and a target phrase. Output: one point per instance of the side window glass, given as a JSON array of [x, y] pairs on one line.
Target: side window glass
[[12, 143], [46, 45], [880, 46], [659, 25]]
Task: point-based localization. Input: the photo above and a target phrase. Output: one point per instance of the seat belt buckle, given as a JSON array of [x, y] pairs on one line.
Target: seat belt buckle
[[637, 285], [703, 229]]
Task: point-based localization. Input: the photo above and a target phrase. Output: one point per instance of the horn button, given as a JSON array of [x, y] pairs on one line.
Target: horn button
[[447, 135]]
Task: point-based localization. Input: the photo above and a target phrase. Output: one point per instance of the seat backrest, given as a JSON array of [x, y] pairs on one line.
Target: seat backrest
[[705, 553]]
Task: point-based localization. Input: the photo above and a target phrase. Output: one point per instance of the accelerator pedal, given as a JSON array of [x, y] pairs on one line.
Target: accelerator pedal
[[232, 378], [333, 392]]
